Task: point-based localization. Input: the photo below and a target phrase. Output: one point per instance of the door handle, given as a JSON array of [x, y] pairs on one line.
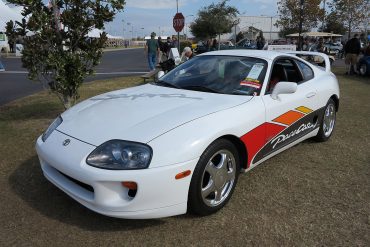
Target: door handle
[[310, 95]]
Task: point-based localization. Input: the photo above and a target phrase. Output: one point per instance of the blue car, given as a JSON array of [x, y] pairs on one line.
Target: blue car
[[364, 65]]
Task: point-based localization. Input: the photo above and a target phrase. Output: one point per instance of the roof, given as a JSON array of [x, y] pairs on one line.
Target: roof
[[264, 54], [315, 34]]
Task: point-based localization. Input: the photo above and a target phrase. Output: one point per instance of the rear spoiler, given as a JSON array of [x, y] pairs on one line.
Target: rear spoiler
[[311, 53]]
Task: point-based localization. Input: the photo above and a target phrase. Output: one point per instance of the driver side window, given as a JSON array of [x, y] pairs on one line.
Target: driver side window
[[283, 70]]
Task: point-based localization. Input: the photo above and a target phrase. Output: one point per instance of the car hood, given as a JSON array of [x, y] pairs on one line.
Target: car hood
[[141, 113]]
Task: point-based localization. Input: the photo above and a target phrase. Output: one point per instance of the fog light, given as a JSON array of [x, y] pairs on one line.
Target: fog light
[[130, 185]]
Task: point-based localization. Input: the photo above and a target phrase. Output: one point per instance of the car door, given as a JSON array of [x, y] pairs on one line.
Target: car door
[[291, 116]]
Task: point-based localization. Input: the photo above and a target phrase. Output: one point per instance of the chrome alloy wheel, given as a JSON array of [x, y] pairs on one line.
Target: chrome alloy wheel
[[329, 120], [218, 178]]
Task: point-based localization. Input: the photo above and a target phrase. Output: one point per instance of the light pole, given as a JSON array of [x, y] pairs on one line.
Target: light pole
[[300, 26], [178, 34], [123, 29], [234, 24], [142, 30]]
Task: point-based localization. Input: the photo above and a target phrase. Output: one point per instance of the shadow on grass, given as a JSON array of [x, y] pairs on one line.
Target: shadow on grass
[[28, 182], [32, 110]]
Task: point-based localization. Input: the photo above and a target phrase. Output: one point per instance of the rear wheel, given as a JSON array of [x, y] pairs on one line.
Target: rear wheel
[[214, 178], [328, 122], [363, 69]]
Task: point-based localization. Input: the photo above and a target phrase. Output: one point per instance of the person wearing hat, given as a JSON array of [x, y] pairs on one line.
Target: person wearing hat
[[152, 49], [188, 53]]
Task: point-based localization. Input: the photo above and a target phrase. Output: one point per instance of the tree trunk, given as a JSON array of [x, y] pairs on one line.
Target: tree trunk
[[67, 102], [219, 43]]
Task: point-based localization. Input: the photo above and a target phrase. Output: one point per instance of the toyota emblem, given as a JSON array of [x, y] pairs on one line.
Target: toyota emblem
[[66, 142]]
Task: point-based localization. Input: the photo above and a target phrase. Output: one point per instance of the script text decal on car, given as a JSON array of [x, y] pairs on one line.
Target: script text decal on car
[[283, 130]]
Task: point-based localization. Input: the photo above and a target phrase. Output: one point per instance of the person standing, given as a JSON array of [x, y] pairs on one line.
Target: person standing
[[214, 45], [260, 43], [188, 53], [161, 50], [174, 42], [152, 49], [168, 46], [352, 50]]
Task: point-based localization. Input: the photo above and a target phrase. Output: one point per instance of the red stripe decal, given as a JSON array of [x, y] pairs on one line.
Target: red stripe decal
[[255, 139]]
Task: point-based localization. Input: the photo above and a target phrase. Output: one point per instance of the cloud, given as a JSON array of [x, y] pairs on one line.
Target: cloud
[[150, 4]]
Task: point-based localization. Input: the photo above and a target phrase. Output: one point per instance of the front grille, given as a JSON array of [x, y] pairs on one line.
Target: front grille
[[83, 185]]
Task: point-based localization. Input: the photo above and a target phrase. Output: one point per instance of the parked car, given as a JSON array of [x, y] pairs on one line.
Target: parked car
[[201, 47], [335, 47], [179, 144]]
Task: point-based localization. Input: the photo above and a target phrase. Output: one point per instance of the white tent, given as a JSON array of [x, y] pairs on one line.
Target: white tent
[[315, 34], [95, 33], [8, 13]]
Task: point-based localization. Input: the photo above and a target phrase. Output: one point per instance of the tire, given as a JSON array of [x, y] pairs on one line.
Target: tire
[[362, 68], [214, 178], [327, 124]]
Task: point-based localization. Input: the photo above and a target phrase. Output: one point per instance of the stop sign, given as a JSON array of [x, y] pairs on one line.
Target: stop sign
[[178, 22]]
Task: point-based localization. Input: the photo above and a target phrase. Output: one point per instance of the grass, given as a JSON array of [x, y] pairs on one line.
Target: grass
[[312, 194]]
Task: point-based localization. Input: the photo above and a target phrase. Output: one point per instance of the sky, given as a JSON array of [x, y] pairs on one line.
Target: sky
[[145, 16]]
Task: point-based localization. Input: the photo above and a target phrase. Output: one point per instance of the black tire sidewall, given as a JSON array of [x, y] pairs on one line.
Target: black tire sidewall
[[321, 137], [195, 200]]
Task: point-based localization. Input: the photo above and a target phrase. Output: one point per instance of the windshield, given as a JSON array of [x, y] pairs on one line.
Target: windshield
[[219, 74]]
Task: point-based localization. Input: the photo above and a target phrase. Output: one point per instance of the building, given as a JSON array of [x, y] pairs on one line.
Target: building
[[250, 25]]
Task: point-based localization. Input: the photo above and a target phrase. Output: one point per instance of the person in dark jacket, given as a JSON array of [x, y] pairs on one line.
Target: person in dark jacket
[[352, 50], [260, 43]]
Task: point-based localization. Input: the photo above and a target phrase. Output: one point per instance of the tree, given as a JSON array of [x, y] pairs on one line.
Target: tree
[[333, 24], [14, 30], [290, 15], [239, 36], [352, 13], [58, 51], [213, 20]]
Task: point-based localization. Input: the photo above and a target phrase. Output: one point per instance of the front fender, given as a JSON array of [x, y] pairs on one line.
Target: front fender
[[190, 140]]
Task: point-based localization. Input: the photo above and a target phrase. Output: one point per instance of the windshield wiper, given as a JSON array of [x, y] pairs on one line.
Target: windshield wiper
[[201, 88], [165, 84]]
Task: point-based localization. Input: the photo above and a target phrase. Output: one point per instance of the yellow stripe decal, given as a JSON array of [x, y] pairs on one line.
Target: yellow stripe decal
[[304, 109]]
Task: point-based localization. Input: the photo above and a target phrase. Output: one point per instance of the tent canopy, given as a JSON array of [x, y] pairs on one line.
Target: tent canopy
[[315, 34]]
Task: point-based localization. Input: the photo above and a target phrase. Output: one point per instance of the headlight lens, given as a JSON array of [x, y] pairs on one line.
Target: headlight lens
[[120, 155], [51, 128]]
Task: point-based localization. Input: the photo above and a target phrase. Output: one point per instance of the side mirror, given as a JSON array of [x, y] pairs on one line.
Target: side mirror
[[283, 87]]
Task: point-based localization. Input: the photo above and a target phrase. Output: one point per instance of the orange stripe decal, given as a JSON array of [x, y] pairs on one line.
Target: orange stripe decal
[[304, 109], [289, 117]]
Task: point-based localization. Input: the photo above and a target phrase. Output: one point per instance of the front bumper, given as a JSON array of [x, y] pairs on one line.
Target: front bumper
[[158, 194]]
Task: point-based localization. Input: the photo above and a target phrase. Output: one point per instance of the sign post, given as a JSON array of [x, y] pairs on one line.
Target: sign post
[[178, 25]]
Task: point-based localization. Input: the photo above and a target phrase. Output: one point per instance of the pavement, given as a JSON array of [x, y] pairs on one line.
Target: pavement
[[14, 83]]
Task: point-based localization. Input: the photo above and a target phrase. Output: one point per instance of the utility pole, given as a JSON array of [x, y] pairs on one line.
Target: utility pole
[[178, 33], [300, 26]]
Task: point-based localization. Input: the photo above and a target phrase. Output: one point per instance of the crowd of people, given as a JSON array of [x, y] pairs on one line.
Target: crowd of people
[[158, 51]]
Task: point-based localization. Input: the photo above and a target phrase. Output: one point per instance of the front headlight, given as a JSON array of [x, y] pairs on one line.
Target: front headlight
[[120, 155], [51, 128]]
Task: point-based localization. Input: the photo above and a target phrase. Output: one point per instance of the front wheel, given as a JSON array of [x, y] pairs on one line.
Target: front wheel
[[328, 122], [214, 178]]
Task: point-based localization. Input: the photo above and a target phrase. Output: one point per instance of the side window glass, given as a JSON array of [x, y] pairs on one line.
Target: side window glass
[[306, 71]]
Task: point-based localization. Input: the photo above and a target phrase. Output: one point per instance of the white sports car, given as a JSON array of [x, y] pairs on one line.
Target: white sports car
[[179, 144]]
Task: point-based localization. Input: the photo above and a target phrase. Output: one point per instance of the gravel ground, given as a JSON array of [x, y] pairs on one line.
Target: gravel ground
[[312, 194]]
